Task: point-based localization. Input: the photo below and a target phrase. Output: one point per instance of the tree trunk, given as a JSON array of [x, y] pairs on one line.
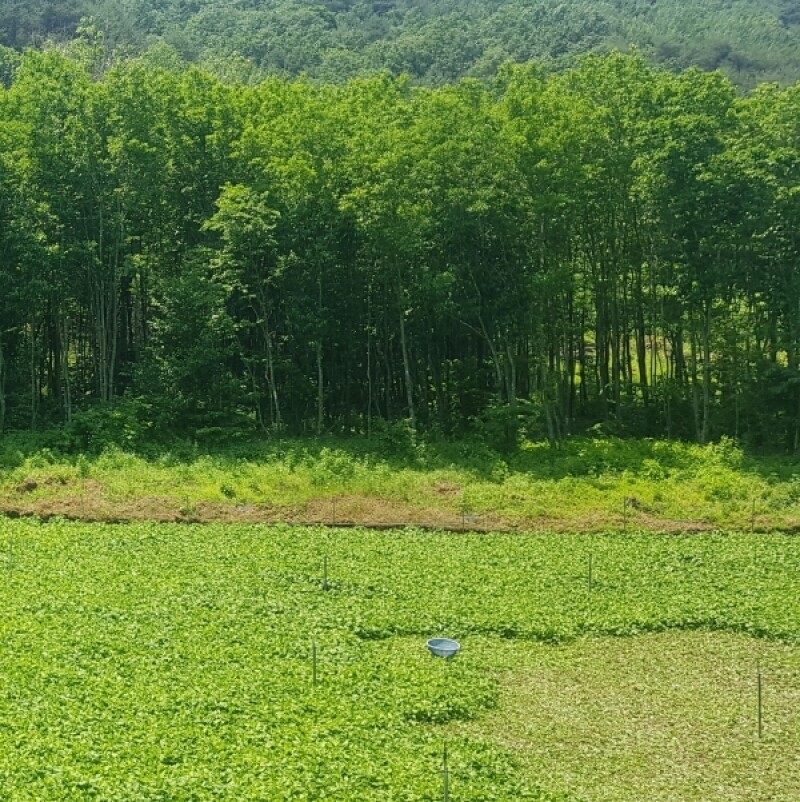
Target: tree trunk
[[67, 384], [273, 390], [369, 361], [706, 371], [406, 363], [695, 388], [2, 386], [320, 389], [35, 393], [320, 377]]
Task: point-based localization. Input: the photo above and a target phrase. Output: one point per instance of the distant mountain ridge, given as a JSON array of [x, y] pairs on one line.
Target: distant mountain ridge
[[435, 41]]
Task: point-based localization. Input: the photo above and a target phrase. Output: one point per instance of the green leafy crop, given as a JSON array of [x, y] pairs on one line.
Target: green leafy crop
[[174, 662]]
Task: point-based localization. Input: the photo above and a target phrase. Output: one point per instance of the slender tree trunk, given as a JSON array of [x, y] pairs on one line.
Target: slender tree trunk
[[584, 388], [65, 378], [2, 386], [320, 389], [406, 363], [369, 361], [273, 390], [706, 372], [641, 340], [797, 424], [601, 342], [616, 356], [512, 373], [34, 376], [320, 377], [695, 387]]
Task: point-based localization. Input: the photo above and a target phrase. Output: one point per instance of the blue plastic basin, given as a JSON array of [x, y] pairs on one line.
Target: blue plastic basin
[[443, 647]]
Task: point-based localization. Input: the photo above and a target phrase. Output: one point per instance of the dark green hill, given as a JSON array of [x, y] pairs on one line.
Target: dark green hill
[[433, 40]]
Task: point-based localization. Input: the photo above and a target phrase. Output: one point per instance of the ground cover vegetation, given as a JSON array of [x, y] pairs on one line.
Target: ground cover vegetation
[[612, 245], [148, 661], [587, 484], [434, 41]]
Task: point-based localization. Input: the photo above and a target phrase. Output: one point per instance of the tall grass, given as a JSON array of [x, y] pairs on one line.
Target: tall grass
[[586, 483]]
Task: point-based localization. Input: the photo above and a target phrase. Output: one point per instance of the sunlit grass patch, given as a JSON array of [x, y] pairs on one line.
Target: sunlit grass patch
[[667, 716], [587, 484]]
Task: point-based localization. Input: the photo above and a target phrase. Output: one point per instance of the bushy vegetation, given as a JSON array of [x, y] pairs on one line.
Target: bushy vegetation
[[587, 484]]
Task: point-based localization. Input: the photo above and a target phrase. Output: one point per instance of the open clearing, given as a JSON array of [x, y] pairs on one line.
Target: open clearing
[[146, 662]]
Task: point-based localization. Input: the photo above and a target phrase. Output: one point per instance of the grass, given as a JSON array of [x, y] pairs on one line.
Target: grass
[[669, 716], [145, 662], [589, 484]]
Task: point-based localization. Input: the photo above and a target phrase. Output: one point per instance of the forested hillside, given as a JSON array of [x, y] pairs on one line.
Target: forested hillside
[[609, 244], [434, 41]]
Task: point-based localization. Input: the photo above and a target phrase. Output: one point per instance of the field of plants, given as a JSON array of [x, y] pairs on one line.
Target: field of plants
[[182, 662]]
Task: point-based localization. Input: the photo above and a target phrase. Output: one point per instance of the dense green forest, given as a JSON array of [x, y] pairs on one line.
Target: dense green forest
[[434, 41], [614, 244]]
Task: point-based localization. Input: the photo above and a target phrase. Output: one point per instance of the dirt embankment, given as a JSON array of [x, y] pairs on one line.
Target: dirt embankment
[[91, 505]]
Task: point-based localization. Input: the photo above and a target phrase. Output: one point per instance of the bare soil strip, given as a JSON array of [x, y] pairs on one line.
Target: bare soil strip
[[342, 511]]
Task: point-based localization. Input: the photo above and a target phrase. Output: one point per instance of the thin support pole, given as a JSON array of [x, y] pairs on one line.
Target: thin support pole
[[759, 691], [445, 775], [313, 662]]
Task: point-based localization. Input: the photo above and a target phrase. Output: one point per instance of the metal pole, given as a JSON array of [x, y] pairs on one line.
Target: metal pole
[[313, 662], [758, 674], [445, 775]]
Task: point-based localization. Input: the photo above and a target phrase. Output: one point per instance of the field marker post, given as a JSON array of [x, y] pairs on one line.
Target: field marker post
[[758, 683], [83, 472], [445, 775], [313, 662]]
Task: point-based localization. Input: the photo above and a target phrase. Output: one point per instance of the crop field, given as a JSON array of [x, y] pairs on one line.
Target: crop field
[[187, 662]]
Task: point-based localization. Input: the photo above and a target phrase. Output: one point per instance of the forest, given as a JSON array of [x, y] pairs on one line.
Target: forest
[[614, 246], [434, 41]]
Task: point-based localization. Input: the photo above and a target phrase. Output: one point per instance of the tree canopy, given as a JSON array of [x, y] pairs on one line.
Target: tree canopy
[[434, 41]]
